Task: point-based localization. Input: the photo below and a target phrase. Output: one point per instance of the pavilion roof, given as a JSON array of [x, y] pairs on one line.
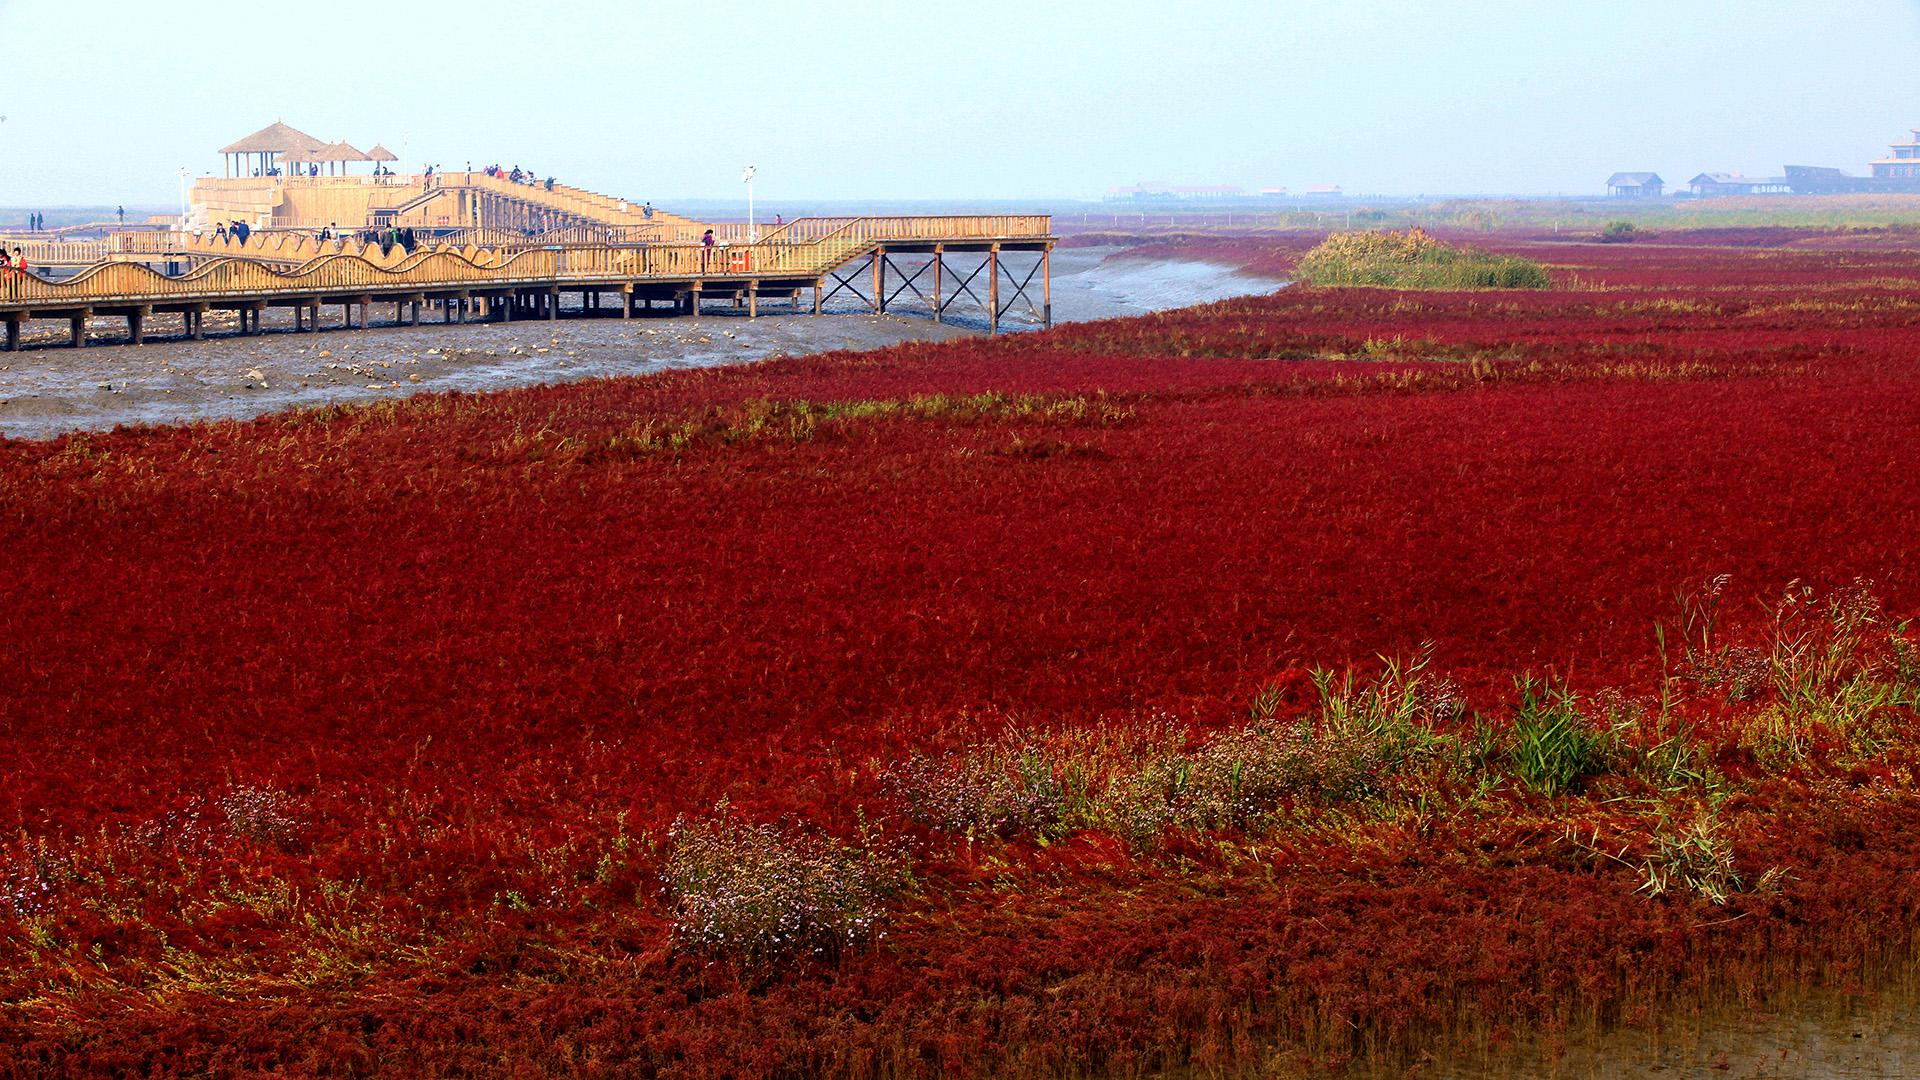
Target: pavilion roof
[[381, 153], [340, 151], [274, 138]]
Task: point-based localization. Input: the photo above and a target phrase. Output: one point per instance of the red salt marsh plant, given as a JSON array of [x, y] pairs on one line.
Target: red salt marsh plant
[[355, 739]]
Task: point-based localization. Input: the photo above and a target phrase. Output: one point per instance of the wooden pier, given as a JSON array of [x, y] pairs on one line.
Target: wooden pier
[[826, 256]]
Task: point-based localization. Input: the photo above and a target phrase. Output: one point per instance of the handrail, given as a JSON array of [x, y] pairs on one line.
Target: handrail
[[58, 252], [307, 265]]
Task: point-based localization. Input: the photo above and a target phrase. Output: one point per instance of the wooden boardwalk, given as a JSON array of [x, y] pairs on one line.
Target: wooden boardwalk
[[833, 255]]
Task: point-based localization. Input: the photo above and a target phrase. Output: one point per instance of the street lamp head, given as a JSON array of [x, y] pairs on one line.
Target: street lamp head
[[746, 175]]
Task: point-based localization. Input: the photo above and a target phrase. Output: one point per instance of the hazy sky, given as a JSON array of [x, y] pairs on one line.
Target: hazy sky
[[105, 101]]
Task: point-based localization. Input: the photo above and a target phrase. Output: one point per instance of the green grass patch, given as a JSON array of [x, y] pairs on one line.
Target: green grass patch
[[1414, 259]]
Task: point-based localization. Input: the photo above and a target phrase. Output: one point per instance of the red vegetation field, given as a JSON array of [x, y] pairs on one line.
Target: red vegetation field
[[354, 741]]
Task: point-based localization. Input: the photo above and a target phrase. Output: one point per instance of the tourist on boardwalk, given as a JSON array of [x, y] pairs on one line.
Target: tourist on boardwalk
[[19, 262], [241, 230], [706, 249], [549, 183], [220, 233], [646, 211], [122, 211], [6, 265]]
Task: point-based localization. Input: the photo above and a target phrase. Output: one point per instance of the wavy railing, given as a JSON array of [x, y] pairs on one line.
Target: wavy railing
[[132, 282], [808, 249]]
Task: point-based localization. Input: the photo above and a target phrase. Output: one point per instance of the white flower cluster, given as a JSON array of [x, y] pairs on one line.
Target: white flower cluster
[[261, 814], [753, 893]]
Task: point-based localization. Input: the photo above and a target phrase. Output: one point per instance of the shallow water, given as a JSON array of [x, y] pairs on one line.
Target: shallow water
[[47, 391], [1818, 1034]]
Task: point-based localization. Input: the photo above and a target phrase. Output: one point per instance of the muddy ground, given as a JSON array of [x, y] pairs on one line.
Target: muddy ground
[[47, 389]]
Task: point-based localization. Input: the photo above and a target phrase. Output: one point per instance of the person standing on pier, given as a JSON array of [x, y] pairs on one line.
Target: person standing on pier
[[706, 249], [122, 211]]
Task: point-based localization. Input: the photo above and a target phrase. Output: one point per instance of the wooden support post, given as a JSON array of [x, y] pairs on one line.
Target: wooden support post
[[79, 325], [1046, 286], [365, 303], [346, 314], [413, 313], [693, 301], [506, 309], [753, 299], [296, 317], [446, 310], [553, 303], [939, 267], [313, 318], [137, 324], [993, 289], [198, 319], [816, 296], [13, 335], [250, 318], [626, 301], [879, 280], [460, 305]]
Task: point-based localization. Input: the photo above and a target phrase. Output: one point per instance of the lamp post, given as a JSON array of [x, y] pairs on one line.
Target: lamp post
[[746, 177]]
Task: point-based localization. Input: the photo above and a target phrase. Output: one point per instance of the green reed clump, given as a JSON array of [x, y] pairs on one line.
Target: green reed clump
[[1414, 259], [1554, 748]]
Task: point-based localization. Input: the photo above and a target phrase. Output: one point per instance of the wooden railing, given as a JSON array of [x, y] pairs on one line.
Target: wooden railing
[[57, 252], [283, 263], [134, 283]]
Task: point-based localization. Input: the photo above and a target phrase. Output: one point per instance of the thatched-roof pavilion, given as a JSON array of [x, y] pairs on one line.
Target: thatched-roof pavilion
[[339, 154], [297, 162], [263, 146], [278, 144]]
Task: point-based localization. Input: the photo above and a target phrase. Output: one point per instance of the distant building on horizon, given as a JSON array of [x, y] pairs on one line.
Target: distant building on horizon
[[1161, 191], [1897, 174], [1719, 183], [1635, 185], [1905, 161]]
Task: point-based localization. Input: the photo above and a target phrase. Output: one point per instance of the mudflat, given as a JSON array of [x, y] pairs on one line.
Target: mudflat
[[47, 389]]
